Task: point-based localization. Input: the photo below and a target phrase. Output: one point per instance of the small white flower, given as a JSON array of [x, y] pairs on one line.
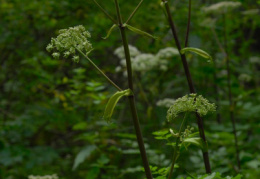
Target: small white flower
[[75, 58], [56, 55], [118, 69]]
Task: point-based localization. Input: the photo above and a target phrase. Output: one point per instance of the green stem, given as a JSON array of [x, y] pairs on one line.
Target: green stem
[[133, 13], [231, 104], [131, 98], [188, 26], [97, 68], [176, 148], [190, 82], [105, 12]]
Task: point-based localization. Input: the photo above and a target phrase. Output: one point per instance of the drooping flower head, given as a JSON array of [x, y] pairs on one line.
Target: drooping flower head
[[190, 103], [69, 41]]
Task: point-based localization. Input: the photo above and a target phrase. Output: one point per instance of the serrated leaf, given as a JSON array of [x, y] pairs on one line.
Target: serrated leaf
[[197, 51], [113, 101], [82, 155], [138, 31], [196, 141], [109, 31]]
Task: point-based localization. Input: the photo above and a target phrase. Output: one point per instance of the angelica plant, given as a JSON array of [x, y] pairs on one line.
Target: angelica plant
[[70, 43], [187, 104], [184, 137], [188, 75], [74, 41]]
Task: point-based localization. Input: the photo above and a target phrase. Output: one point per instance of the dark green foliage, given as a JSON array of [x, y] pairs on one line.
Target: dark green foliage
[[51, 111]]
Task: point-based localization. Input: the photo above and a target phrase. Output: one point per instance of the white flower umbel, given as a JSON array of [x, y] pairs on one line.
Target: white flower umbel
[[244, 77], [121, 53], [255, 60], [221, 7], [190, 103], [54, 176], [143, 62], [167, 52], [69, 41], [167, 102]]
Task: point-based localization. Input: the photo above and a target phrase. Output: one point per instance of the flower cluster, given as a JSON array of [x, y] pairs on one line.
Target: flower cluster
[[255, 60], [190, 103], [121, 53], [54, 176], [69, 41], [221, 7], [244, 77], [167, 102], [186, 133], [167, 52], [144, 62]]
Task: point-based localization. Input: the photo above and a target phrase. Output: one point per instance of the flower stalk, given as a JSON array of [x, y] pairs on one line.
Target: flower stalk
[[176, 148], [189, 79], [230, 96], [131, 98]]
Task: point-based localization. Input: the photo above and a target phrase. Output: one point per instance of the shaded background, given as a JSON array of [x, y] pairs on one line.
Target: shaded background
[[51, 110]]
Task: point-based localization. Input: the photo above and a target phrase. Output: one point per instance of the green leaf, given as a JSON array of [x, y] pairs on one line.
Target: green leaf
[[161, 132], [110, 31], [113, 101], [82, 155], [138, 31], [197, 51], [196, 141]]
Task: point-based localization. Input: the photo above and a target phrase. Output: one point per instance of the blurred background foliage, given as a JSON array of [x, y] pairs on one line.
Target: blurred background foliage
[[51, 110]]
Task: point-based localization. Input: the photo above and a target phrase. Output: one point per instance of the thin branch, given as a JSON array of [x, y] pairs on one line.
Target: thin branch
[[133, 13], [218, 41], [102, 73], [230, 96], [188, 26], [175, 155], [105, 12]]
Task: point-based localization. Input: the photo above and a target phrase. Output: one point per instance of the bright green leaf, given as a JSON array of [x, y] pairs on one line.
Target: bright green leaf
[[110, 31], [113, 101], [196, 141], [138, 31], [197, 51], [161, 132]]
